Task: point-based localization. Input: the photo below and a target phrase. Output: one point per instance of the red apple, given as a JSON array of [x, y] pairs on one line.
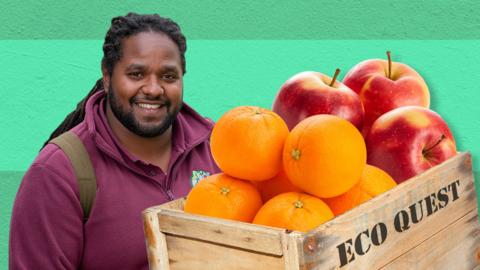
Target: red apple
[[385, 85], [309, 93], [409, 140]]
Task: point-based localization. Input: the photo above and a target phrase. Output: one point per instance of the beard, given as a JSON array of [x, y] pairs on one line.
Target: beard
[[127, 117]]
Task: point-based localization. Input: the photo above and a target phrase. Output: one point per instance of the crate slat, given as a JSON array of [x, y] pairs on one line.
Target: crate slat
[[157, 251], [225, 232], [458, 242], [188, 254]]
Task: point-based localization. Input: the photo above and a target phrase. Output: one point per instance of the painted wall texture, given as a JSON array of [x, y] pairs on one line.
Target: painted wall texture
[[245, 19], [238, 54]]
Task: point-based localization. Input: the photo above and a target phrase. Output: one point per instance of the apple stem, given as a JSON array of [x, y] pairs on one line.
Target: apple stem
[[389, 65], [425, 151], [337, 71]]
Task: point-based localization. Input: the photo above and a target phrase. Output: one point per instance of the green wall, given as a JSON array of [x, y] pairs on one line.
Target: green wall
[[238, 54], [247, 19]]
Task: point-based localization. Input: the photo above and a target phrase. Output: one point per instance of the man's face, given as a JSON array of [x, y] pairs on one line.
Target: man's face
[[146, 87]]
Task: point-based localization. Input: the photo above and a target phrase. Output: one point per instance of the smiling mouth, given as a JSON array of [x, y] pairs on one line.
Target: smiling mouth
[[149, 106]]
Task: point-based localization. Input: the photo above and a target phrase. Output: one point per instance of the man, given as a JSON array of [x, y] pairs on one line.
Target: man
[[147, 147]]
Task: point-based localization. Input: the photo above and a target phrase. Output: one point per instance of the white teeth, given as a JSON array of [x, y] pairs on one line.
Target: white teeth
[[149, 106]]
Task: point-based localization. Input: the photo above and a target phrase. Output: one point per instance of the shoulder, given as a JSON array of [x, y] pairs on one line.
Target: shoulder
[[51, 168], [52, 158], [48, 186]]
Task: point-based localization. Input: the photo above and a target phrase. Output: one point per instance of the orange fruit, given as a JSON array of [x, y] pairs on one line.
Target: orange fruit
[[373, 182], [247, 143], [223, 196], [324, 155], [294, 211], [277, 185]]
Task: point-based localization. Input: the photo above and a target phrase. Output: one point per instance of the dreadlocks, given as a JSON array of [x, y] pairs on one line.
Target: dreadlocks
[[123, 27]]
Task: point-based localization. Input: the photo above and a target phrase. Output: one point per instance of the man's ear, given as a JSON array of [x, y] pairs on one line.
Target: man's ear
[[105, 79]]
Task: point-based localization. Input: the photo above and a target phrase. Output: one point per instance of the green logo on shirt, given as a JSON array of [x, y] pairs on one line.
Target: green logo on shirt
[[198, 175]]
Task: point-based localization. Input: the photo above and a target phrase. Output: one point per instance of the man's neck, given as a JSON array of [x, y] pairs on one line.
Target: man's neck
[[155, 150]]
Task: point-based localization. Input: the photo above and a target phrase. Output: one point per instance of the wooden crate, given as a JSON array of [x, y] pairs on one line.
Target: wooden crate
[[428, 222]]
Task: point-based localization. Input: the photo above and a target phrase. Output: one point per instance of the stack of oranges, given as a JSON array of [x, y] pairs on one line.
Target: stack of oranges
[[294, 179]]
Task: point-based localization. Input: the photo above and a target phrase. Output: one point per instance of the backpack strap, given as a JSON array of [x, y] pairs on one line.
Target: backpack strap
[[73, 147]]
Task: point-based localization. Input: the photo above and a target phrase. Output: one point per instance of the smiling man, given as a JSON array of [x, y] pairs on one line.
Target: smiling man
[[146, 146], [145, 95]]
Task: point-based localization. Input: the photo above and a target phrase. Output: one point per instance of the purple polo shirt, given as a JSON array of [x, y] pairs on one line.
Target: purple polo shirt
[[46, 227]]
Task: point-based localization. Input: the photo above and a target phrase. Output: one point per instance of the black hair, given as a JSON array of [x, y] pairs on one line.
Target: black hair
[[123, 27]]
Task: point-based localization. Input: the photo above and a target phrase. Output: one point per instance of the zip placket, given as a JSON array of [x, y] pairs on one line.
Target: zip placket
[[163, 188]]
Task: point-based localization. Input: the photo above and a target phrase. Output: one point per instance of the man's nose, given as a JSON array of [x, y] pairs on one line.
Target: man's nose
[[153, 87]]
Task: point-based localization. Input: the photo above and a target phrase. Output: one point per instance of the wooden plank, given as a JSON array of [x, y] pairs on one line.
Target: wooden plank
[[155, 240], [377, 231], [455, 247], [188, 254], [225, 232], [291, 242]]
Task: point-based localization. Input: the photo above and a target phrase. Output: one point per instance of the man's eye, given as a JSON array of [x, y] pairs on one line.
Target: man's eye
[[135, 75], [170, 76]]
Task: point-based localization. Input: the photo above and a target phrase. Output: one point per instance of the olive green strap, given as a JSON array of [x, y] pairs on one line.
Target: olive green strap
[[73, 147]]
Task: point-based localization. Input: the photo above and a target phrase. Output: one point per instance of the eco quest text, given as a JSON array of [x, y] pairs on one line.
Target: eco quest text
[[403, 220]]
